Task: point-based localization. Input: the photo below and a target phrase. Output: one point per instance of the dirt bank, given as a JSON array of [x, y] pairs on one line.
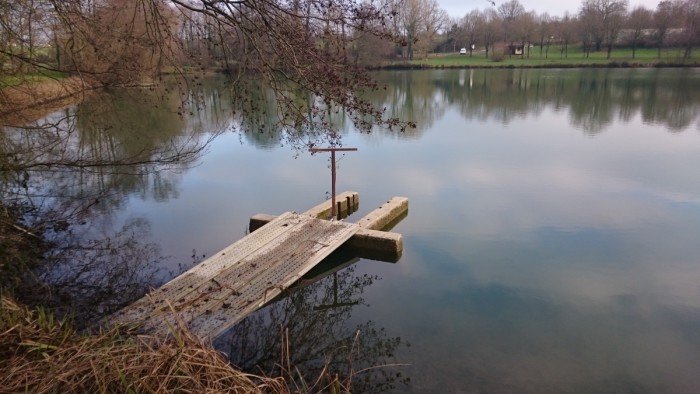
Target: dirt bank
[[29, 101]]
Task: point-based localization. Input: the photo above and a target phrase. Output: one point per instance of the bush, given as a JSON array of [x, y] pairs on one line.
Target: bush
[[498, 57]]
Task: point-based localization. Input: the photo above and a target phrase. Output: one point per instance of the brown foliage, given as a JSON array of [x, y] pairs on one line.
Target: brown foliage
[[308, 51], [25, 102], [41, 355], [119, 42]]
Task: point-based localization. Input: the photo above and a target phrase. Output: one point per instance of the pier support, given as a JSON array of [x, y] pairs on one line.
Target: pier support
[[332, 150], [229, 285], [369, 242]]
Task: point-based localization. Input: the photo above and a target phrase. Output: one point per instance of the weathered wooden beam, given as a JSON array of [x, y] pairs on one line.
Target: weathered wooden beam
[[347, 203], [375, 245], [368, 242], [381, 217]]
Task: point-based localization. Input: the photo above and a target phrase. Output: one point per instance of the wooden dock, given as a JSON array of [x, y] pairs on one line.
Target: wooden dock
[[220, 291]]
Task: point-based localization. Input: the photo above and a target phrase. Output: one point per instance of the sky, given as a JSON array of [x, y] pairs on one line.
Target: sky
[[459, 8]]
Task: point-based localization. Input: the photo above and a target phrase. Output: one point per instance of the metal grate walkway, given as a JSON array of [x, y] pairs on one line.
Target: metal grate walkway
[[220, 291]]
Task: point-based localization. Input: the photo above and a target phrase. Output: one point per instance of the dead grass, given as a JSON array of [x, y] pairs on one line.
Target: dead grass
[[39, 354]]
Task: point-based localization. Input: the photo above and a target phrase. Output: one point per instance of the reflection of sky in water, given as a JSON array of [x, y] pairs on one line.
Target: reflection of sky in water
[[541, 260], [538, 258]]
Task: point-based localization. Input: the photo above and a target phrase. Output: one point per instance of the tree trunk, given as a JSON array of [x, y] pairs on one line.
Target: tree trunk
[[30, 32]]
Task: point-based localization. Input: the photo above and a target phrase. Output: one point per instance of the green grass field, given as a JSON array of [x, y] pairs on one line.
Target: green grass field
[[643, 56], [18, 79]]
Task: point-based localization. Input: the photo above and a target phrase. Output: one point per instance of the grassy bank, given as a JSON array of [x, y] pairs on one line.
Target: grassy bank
[[23, 100], [15, 80], [621, 57], [39, 354]]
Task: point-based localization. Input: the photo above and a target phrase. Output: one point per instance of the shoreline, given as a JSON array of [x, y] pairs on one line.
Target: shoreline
[[612, 64], [28, 101]]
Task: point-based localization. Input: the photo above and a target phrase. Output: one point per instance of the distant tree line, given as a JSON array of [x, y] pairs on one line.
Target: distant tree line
[[422, 27], [121, 41], [598, 25], [317, 45]]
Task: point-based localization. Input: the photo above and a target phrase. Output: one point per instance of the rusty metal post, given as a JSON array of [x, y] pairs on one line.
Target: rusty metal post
[[333, 212], [332, 150]]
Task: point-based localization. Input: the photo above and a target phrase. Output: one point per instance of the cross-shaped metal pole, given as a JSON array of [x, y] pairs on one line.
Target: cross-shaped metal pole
[[332, 150]]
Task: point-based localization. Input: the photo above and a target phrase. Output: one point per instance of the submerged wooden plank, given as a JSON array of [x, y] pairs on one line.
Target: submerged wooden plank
[[184, 286]]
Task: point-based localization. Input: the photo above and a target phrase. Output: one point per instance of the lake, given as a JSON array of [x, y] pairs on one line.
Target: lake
[[551, 244]]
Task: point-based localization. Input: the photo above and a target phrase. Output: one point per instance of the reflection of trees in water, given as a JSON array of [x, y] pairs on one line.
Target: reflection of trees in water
[[674, 100], [252, 109], [67, 173], [89, 275], [594, 98], [668, 97], [594, 106], [315, 322], [107, 147], [411, 96]]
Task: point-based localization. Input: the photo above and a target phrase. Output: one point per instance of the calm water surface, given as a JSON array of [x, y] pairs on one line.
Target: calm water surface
[[551, 243]]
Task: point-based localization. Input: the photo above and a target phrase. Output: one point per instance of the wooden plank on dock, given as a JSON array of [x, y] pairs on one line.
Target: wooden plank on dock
[[369, 241], [347, 202], [223, 289], [388, 212]]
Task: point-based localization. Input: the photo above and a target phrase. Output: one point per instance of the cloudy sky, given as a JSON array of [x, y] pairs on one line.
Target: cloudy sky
[[458, 8]]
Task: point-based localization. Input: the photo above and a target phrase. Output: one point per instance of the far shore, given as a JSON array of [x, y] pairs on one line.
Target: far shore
[[31, 100], [28, 101], [553, 57], [612, 64]]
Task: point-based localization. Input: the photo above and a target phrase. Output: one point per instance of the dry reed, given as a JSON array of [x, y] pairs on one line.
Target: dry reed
[[39, 354], [29, 101]]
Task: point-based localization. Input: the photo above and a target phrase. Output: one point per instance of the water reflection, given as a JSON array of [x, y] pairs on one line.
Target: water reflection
[[310, 329], [66, 174], [594, 98], [537, 259], [250, 108], [569, 311]]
